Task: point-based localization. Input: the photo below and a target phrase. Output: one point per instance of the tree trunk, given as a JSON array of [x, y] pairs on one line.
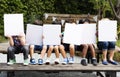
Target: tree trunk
[[117, 10]]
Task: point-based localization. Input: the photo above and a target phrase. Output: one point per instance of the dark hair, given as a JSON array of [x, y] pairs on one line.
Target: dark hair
[[80, 21], [86, 20]]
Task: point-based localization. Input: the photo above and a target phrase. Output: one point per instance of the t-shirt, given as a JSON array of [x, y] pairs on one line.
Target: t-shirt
[[16, 41]]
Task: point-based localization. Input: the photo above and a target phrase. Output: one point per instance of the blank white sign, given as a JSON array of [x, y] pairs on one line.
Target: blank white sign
[[34, 34], [79, 34], [88, 33], [13, 24], [51, 34], [71, 34], [107, 30]]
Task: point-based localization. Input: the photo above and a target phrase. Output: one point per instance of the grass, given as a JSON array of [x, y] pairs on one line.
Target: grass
[[2, 39]]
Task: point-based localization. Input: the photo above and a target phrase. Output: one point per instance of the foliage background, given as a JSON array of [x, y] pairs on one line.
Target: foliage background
[[35, 9]]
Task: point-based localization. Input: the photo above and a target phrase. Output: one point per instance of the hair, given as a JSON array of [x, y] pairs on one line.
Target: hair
[[86, 20], [81, 21], [38, 22]]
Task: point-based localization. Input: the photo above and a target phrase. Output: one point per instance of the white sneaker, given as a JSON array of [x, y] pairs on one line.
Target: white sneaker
[[26, 62], [57, 61], [47, 62]]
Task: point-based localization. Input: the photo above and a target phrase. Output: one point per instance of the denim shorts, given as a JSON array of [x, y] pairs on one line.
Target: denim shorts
[[106, 45]]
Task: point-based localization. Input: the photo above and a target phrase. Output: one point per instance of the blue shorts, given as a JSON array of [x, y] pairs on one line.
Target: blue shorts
[[106, 45], [38, 47]]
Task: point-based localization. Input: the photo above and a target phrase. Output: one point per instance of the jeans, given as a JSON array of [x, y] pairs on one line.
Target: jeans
[[12, 50]]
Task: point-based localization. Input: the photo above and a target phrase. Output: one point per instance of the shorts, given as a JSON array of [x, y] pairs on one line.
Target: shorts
[[106, 45]]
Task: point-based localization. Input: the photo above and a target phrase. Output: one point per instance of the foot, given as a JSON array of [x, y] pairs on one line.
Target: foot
[[47, 62], [104, 62], [11, 62], [113, 62], [65, 61], [71, 60], [26, 62], [56, 61], [32, 61], [84, 62], [40, 61], [94, 62]]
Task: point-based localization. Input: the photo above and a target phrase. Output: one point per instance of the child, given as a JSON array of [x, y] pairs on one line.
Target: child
[[17, 45], [42, 48], [106, 46], [85, 48]]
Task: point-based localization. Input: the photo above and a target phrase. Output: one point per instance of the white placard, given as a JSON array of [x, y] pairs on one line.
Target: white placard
[[71, 34], [79, 34], [88, 33], [107, 30], [51, 34], [34, 34], [13, 24]]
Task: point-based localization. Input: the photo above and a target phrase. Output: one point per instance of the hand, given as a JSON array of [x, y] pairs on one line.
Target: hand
[[8, 36], [21, 34]]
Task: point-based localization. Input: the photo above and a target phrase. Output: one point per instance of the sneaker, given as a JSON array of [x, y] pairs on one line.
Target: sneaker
[[65, 61], [94, 62], [32, 61], [40, 61], [47, 62], [84, 62], [113, 62], [71, 60], [104, 62], [57, 61], [11, 62], [26, 62]]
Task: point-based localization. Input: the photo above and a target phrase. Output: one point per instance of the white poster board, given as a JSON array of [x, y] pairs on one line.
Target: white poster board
[[34, 34], [88, 33], [13, 24], [79, 34], [71, 34], [51, 33], [107, 30]]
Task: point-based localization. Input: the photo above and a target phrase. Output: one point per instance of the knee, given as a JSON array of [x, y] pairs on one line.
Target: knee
[[71, 47], [31, 47], [61, 47], [85, 46], [50, 48], [10, 49], [26, 48], [44, 47]]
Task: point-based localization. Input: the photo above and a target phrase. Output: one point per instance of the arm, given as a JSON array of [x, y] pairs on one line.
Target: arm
[[10, 40], [22, 38]]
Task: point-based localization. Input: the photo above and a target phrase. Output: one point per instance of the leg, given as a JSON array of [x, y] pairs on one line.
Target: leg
[[11, 52], [43, 52], [72, 53], [57, 54], [31, 51], [49, 52], [72, 50], [62, 50], [25, 50], [84, 53]]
